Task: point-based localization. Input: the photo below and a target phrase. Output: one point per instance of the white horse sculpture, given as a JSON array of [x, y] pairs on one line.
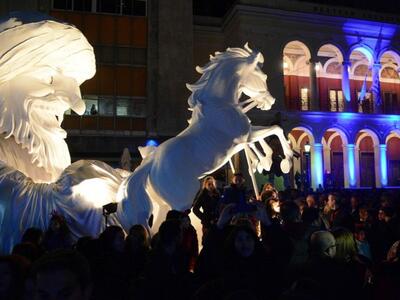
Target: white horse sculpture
[[218, 129]]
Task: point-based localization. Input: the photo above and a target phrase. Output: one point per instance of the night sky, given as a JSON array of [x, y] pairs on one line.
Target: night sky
[[218, 8]]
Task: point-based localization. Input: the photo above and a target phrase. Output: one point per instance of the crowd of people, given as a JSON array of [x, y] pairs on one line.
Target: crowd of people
[[284, 245]]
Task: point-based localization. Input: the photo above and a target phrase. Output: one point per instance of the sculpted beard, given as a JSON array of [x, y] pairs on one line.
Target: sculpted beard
[[32, 140]]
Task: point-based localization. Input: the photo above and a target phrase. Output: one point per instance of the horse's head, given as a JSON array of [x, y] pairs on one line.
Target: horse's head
[[230, 74], [253, 82]]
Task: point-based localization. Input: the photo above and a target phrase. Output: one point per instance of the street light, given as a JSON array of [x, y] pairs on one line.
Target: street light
[[307, 148]]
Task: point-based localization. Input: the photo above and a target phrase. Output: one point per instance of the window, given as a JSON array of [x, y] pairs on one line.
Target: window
[[124, 7], [78, 5], [82, 5], [62, 4], [106, 106], [130, 107], [304, 99], [336, 100], [92, 106], [365, 105], [101, 106], [390, 103]]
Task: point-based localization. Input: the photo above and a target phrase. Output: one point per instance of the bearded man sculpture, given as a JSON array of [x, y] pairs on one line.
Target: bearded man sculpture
[[42, 64]]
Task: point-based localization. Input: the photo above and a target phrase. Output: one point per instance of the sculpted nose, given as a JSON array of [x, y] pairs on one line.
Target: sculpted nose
[[79, 106]]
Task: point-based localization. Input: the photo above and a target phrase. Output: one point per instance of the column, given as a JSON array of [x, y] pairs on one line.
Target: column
[[381, 179], [317, 166], [376, 88], [346, 85], [327, 158], [349, 166], [357, 168], [314, 98]]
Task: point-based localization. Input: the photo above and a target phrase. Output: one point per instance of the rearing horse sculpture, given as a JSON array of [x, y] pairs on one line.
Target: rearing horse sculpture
[[218, 129]]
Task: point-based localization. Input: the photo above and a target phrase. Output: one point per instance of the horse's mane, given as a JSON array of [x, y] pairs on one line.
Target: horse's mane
[[215, 61]]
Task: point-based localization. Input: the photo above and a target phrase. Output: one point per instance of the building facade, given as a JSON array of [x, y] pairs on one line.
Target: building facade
[[333, 70]]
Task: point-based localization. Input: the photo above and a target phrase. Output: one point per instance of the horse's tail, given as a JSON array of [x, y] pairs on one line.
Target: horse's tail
[[134, 203]]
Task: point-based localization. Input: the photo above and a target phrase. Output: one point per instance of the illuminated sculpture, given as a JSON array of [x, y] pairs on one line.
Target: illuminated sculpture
[[218, 129], [42, 64]]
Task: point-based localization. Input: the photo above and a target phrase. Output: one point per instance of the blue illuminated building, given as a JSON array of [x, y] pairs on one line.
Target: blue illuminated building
[[335, 74]]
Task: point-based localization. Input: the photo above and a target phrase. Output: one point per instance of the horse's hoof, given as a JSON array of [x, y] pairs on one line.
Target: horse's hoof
[[286, 165]]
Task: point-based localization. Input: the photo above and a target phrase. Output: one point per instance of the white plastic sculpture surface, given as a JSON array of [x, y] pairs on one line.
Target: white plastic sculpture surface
[[42, 64], [219, 128]]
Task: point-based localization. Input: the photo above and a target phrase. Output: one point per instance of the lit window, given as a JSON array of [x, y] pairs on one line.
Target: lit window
[[332, 100], [106, 106], [365, 105], [304, 98], [336, 100], [92, 105], [130, 108], [340, 100]]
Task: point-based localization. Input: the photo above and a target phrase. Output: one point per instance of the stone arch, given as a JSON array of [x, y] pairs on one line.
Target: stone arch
[[391, 52], [336, 166], [364, 49], [292, 141], [329, 53], [299, 44], [288, 66], [392, 143], [364, 164], [296, 80]]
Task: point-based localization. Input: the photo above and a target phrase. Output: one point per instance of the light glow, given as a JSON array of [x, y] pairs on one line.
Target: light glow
[[318, 165], [351, 165], [285, 65], [383, 164]]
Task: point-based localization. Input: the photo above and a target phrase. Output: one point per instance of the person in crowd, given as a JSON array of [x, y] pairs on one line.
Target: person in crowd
[[137, 249], [27, 250], [167, 267], [13, 272], [387, 276], [328, 212], [110, 273], [301, 203], [58, 235], [235, 192], [62, 275], [321, 266], [33, 235], [205, 205], [311, 202], [245, 262], [354, 207], [355, 269], [335, 215], [363, 247], [288, 240]]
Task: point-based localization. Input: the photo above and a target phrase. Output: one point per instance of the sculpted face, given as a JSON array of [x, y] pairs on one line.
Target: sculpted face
[[42, 64], [33, 106], [254, 85]]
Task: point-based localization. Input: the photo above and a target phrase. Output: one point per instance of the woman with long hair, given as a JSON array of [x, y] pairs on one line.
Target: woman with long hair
[[205, 205]]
